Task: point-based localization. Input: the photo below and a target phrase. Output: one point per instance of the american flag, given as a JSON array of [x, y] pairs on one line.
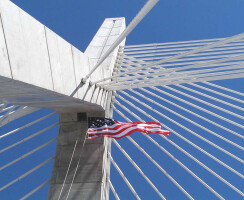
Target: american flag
[[98, 127]]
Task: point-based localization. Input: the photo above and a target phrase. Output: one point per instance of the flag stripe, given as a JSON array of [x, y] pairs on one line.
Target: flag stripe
[[119, 128], [131, 130], [126, 124], [129, 133]]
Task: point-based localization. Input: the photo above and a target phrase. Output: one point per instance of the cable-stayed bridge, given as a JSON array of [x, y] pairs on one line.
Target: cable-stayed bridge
[[186, 86]]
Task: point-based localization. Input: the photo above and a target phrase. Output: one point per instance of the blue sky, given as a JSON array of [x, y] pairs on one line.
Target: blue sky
[[171, 20], [174, 20]]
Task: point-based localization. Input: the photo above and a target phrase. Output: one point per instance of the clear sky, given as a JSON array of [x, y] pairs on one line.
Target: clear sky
[[171, 20]]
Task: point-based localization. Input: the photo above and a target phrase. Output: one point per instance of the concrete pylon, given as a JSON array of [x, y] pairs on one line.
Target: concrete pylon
[[40, 69], [90, 182]]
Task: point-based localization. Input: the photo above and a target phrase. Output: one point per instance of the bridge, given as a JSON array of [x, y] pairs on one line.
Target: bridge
[[179, 84]]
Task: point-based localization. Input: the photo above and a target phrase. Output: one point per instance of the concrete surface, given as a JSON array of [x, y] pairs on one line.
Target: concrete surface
[[40, 69], [90, 180]]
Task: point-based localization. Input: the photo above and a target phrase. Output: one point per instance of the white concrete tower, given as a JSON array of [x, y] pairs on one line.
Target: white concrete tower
[[82, 167]]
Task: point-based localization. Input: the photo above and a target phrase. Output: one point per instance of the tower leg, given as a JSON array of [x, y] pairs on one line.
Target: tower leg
[[90, 180]]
